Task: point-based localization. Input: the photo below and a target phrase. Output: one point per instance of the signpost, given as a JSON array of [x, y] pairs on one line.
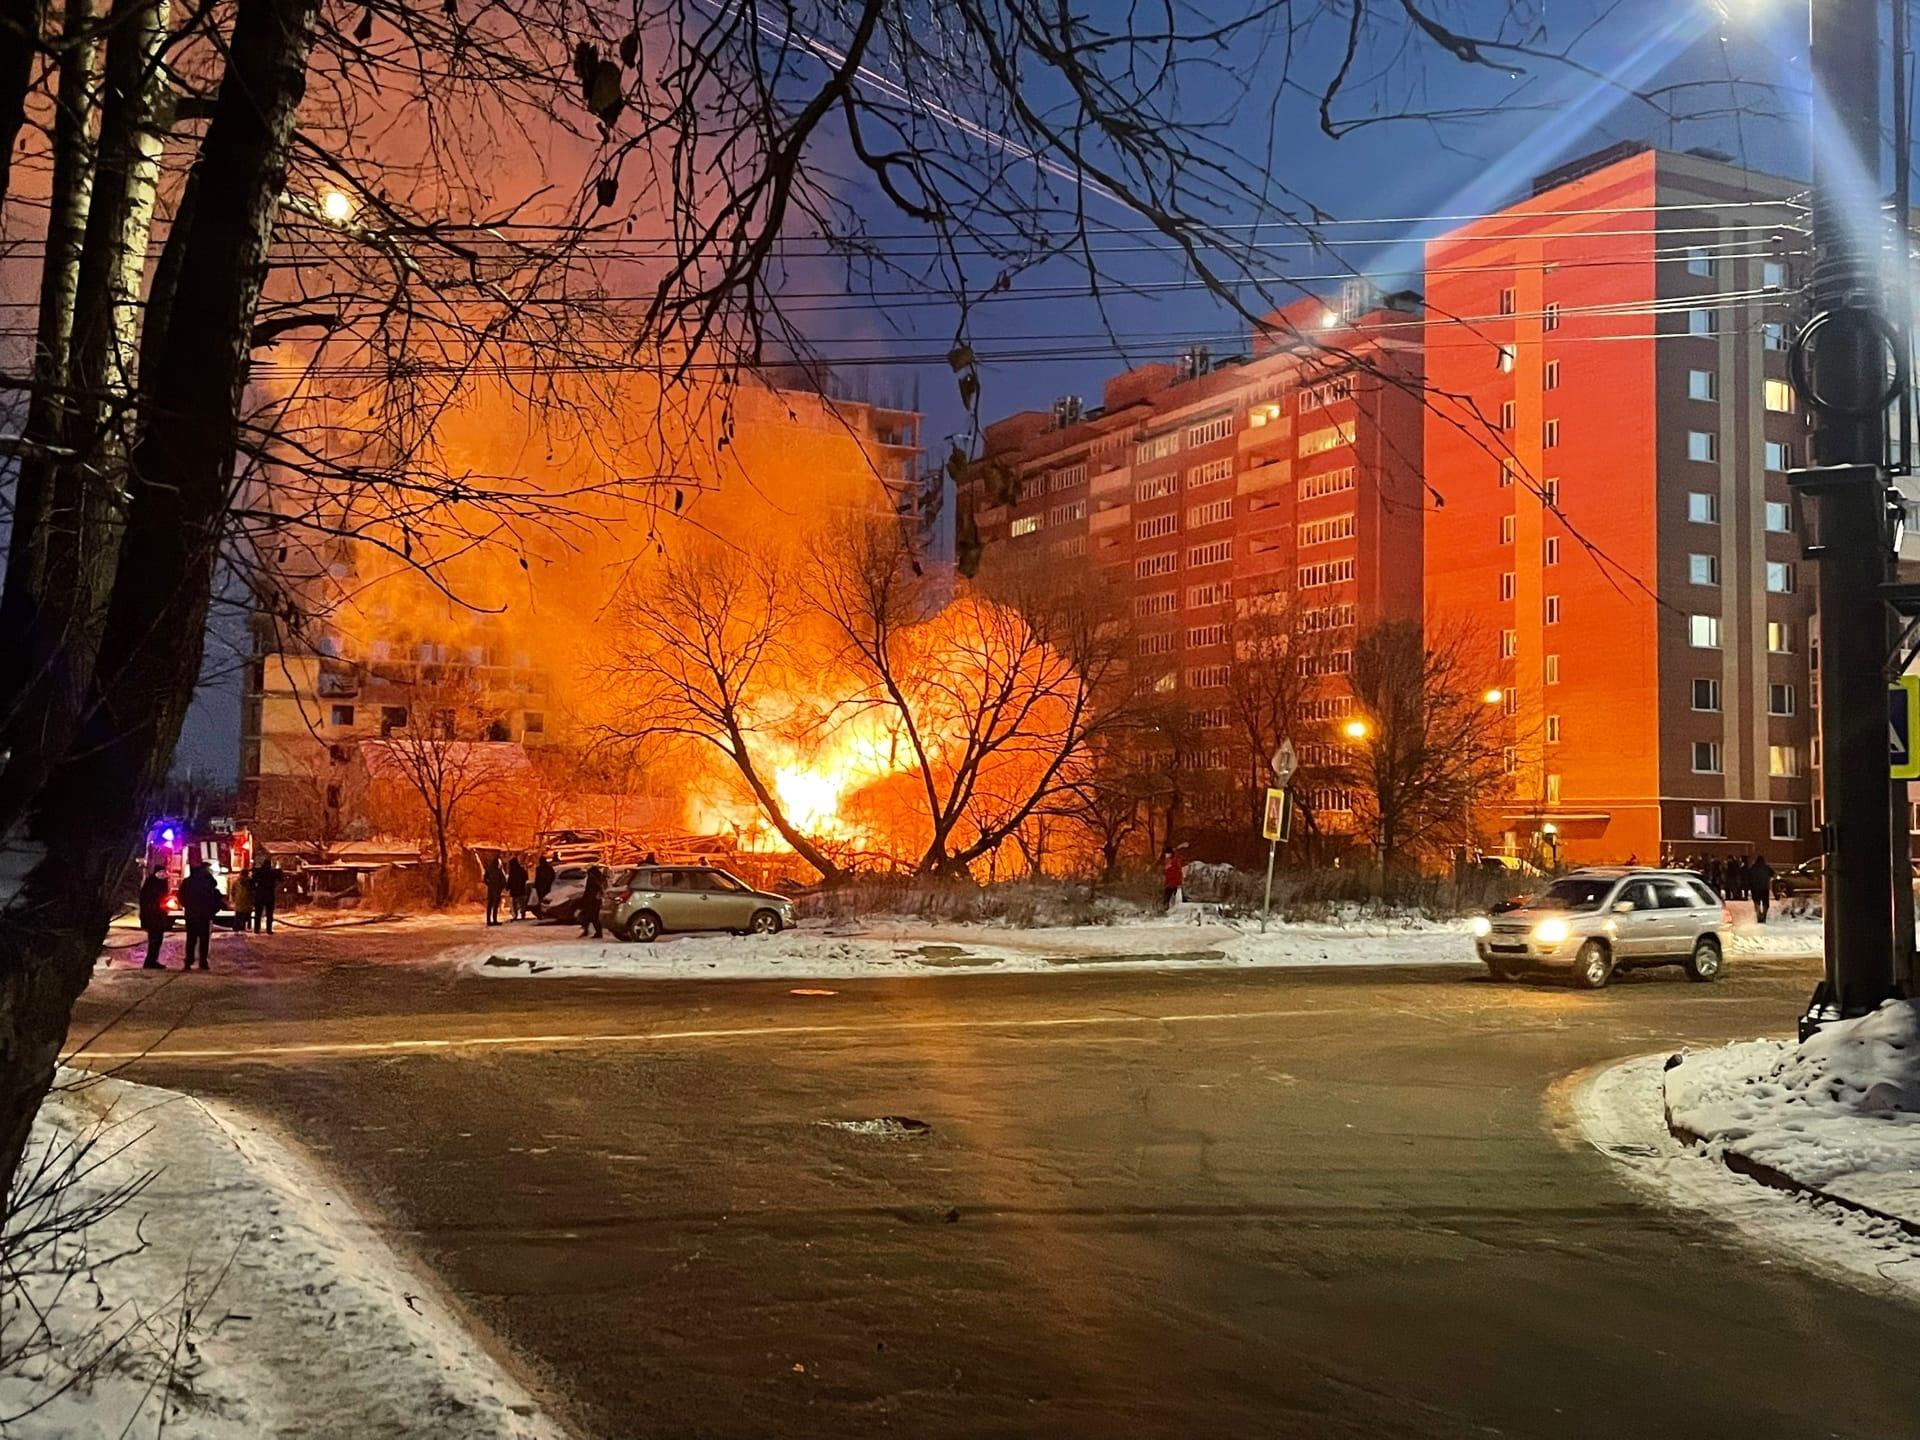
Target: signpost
[[1903, 727], [1276, 824]]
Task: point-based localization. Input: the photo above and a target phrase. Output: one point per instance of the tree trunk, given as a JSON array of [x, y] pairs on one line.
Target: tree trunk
[[90, 812], [20, 22]]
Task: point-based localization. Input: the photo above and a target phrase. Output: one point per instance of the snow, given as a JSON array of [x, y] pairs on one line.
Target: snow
[[1840, 1112], [1782, 935], [1194, 938], [237, 1294], [1618, 1111]]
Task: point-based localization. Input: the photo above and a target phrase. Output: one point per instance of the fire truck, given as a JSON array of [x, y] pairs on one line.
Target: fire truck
[[175, 847]]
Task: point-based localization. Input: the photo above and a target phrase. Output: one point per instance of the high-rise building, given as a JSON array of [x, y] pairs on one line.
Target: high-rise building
[[1204, 485], [1610, 430]]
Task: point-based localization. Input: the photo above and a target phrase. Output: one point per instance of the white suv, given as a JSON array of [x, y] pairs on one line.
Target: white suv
[[1592, 922]]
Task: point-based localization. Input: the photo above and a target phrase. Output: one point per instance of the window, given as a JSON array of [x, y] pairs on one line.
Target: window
[[1553, 729], [1779, 455], [533, 722], [1550, 490], [1032, 487], [1067, 477], [1703, 445], [1327, 572], [1214, 552], [342, 715], [1553, 610], [1200, 636], [1506, 529], [1148, 566], [1508, 468], [1553, 789], [1214, 427], [1334, 482], [1208, 677], [1336, 662], [392, 718], [440, 723], [1327, 617], [1784, 822], [1209, 473], [1779, 638], [1072, 548], [1706, 757], [1509, 644], [1509, 759], [1507, 301], [1023, 525], [1161, 644], [1549, 434], [1066, 514], [1156, 447], [1703, 569], [1778, 396], [1550, 550], [1708, 823], [1700, 262], [1779, 578], [1163, 602], [1706, 695], [1703, 632], [1550, 317], [1703, 507], [1702, 322], [1773, 275], [1703, 385], [1780, 699], [1779, 517], [1550, 375], [1153, 488], [1553, 670], [1508, 585], [1154, 526], [1321, 532], [1774, 335], [1318, 397], [1214, 592], [1507, 413], [1783, 761], [1504, 359], [1318, 442], [1211, 513]]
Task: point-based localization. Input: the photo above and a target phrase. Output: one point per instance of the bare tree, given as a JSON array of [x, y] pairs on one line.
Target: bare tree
[[1287, 662], [1434, 747]]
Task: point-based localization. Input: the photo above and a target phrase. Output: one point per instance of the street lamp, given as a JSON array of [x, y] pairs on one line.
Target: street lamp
[[1494, 696], [336, 206], [1355, 729]]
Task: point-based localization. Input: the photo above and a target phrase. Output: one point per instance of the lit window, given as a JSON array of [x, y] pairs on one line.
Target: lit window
[[1703, 507], [1784, 822], [1780, 699], [1783, 761], [1703, 385], [1024, 525], [1706, 757], [1553, 790], [1552, 609], [1703, 445], [1507, 585], [1550, 375], [1779, 638], [1550, 550], [1703, 632], [1778, 395], [1708, 823], [1779, 517], [1553, 669], [1505, 362], [1779, 578], [1706, 694], [1703, 569]]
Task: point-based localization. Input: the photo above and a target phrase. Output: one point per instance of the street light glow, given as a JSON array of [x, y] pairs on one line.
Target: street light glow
[[1356, 729], [1494, 696], [336, 206]]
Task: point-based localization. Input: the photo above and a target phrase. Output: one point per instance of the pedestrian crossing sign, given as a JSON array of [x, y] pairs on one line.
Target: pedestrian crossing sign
[[1277, 822], [1903, 727]]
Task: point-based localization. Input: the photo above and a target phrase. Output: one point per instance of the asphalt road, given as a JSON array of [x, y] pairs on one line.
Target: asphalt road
[[1173, 1204]]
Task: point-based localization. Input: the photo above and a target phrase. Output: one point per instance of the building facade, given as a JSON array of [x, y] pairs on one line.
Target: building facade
[[1610, 431], [1201, 488]]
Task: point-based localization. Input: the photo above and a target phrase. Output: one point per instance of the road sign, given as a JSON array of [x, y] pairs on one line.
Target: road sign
[[1284, 763], [1277, 823], [1903, 728]]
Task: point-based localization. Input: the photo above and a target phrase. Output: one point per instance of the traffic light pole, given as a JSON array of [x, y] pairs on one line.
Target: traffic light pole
[[1840, 365]]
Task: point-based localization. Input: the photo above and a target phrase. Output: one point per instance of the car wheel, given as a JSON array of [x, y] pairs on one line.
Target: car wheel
[[1593, 966], [765, 922], [643, 927], [1704, 963]]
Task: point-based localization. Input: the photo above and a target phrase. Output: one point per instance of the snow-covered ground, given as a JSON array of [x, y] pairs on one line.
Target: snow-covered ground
[[236, 1295], [1840, 1113], [840, 950]]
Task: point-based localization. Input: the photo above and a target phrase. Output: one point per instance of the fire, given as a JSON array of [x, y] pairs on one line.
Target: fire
[[819, 784], [810, 798]]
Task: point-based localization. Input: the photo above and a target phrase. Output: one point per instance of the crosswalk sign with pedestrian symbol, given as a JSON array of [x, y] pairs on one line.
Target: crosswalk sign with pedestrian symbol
[[1277, 822], [1903, 728]]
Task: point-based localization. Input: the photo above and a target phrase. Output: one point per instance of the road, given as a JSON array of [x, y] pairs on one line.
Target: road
[[1196, 1203]]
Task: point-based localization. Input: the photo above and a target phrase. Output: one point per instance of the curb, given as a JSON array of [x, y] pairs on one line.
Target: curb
[[1771, 1176]]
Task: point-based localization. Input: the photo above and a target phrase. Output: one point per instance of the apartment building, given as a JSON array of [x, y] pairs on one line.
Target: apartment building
[[1610, 431], [1202, 486]]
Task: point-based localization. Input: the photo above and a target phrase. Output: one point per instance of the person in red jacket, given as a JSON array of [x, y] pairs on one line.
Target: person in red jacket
[[1173, 870]]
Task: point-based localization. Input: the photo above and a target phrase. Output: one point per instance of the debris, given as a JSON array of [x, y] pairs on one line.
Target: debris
[[504, 962], [885, 1127], [806, 991], [953, 1215]]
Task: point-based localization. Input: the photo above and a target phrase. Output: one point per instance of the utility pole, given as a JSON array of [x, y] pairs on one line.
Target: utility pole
[[1840, 370]]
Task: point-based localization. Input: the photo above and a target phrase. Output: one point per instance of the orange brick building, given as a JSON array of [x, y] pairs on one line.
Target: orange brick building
[[1610, 429]]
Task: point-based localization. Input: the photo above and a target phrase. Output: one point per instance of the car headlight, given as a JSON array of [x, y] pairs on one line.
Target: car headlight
[[1551, 932], [1482, 926]]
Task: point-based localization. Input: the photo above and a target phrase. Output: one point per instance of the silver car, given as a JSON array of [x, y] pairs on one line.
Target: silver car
[[650, 900], [1593, 922]]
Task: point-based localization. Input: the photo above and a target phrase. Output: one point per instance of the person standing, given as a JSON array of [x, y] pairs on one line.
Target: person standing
[[495, 880], [199, 902], [590, 902], [1760, 886], [542, 881], [517, 885], [240, 893], [153, 915], [266, 890], [1173, 872]]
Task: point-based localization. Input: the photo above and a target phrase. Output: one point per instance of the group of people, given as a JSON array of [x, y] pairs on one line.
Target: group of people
[[526, 891], [1736, 877], [252, 894]]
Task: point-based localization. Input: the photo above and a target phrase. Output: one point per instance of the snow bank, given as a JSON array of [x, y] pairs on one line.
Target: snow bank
[[838, 952], [235, 1295], [1840, 1113]]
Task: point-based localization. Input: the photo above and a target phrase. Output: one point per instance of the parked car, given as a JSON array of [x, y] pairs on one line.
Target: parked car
[[649, 900], [563, 900], [1595, 921]]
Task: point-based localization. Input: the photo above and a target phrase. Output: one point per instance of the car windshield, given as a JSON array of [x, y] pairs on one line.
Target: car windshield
[[1573, 893], [721, 880]]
